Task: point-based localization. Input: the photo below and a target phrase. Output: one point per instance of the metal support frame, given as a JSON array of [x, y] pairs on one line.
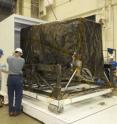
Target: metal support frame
[[69, 100], [57, 89]]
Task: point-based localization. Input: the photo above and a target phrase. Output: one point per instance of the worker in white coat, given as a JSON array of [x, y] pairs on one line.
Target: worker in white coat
[[1, 54]]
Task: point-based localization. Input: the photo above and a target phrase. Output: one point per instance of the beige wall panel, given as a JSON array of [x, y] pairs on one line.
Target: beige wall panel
[[27, 8]]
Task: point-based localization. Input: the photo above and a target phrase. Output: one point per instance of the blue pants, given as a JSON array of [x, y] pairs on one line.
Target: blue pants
[[15, 89]]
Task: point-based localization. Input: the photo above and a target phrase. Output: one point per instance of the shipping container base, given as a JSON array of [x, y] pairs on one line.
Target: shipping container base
[[67, 111]]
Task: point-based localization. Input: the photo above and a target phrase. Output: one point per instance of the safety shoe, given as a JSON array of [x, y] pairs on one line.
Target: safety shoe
[[17, 113], [11, 114]]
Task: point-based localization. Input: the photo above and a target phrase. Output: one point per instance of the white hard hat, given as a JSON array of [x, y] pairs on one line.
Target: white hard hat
[[19, 50]]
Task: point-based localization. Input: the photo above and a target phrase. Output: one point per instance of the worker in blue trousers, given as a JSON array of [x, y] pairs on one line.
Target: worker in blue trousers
[[113, 63], [15, 82]]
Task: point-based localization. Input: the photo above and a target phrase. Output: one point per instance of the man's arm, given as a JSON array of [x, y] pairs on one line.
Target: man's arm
[[4, 71]]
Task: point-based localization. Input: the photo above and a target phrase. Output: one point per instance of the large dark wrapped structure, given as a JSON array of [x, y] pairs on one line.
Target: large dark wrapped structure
[[48, 50]]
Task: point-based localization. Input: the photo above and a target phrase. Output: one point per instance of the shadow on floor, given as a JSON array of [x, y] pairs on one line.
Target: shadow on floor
[[21, 119]]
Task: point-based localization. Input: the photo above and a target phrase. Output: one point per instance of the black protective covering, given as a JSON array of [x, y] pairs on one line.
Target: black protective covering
[[55, 43]]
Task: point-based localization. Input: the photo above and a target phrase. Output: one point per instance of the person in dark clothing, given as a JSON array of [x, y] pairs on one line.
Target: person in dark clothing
[[15, 82]]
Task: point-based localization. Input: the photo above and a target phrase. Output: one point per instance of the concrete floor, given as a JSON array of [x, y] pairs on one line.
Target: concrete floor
[[115, 92], [21, 119]]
